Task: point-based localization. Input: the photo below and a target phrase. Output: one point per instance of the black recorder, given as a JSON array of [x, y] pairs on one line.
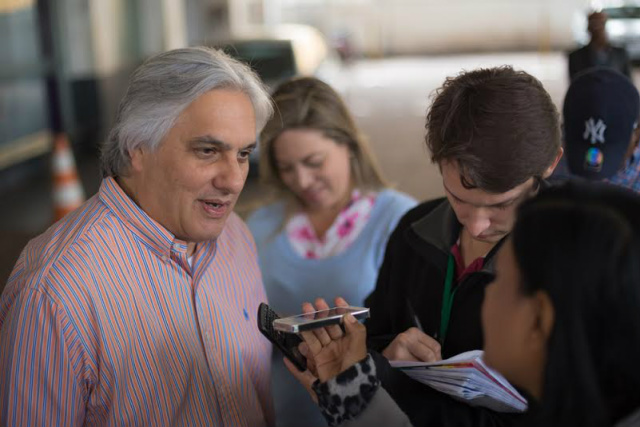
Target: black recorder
[[287, 343]]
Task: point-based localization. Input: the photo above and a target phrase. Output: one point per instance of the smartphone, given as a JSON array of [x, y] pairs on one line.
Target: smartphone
[[286, 343], [318, 319]]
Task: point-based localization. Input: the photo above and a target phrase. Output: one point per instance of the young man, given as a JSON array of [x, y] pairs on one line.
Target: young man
[[139, 308], [601, 112], [495, 135]]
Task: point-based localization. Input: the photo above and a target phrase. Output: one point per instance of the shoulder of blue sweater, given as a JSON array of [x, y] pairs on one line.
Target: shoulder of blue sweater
[[266, 217], [391, 198]]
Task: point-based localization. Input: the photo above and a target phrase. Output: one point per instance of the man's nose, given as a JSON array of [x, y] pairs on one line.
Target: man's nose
[[230, 177], [478, 222]]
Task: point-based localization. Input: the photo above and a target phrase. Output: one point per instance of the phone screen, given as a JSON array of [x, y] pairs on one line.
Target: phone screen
[[323, 314]]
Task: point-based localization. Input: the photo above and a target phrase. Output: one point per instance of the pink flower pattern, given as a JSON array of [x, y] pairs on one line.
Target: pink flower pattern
[[342, 233]]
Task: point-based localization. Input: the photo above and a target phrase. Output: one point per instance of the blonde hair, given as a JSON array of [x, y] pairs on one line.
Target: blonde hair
[[309, 103]]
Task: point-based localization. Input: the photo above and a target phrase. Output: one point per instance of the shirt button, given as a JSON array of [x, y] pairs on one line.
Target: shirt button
[[163, 258], [176, 246]]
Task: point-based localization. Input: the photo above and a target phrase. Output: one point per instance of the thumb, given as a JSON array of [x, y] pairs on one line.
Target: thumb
[[305, 378], [357, 335]]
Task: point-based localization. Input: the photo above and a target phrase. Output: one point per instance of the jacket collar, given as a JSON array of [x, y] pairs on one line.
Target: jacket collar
[[440, 230]]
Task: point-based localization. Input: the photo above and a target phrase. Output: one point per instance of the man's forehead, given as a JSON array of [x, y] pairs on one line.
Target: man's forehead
[[481, 198], [452, 181]]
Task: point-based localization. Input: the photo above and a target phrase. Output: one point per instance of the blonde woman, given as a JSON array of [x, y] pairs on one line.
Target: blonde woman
[[326, 233]]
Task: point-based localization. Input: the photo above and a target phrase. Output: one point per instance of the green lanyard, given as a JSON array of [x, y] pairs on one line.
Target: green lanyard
[[447, 299]]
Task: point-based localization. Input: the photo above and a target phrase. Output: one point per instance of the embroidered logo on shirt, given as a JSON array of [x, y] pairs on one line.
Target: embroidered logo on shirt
[[594, 130]]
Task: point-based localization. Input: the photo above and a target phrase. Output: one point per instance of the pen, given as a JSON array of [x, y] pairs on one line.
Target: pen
[[414, 316]]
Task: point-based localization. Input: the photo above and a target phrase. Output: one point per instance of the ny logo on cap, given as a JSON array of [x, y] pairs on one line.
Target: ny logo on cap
[[594, 130]]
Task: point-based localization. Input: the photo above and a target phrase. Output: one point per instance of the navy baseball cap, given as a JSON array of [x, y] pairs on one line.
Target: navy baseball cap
[[600, 112]]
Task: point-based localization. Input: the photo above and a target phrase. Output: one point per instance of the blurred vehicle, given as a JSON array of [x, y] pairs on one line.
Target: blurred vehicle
[[623, 28], [281, 52]]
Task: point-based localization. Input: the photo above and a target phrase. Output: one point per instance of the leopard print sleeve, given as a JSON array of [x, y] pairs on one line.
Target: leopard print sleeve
[[344, 397]]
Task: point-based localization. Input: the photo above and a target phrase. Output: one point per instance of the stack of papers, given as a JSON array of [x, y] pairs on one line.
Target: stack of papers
[[466, 377]]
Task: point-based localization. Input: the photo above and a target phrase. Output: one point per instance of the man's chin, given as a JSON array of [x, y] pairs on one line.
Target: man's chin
[[490, 238]]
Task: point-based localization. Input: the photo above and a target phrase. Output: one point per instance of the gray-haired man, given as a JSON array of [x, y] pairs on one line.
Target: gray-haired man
[[138, 308]]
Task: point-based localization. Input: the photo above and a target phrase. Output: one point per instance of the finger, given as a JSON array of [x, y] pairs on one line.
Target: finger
[[328, 333], [305, 378], [399, 347], [307, 307], [311, 367], [423, 352], [340, 302], [323, 338], [396, 352], [357, 334], [303, 348], [426, 340], [313, 343], [321, 304], [334, 331], [322, 335]]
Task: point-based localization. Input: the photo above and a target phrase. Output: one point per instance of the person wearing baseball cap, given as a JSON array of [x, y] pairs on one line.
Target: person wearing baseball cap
[[601, 111]]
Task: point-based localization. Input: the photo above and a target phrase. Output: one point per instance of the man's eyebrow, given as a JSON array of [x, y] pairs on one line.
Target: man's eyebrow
[[207, 139], [221, 145], [494, 205], [250, 146]]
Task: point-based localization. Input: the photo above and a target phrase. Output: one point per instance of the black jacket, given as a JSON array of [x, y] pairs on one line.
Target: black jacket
[[413, 273], [585, 58]]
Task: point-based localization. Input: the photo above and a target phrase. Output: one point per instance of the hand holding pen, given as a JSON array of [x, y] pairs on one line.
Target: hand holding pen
[[413, 344]]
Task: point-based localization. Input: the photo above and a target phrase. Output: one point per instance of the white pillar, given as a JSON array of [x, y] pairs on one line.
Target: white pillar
[[174, 24]]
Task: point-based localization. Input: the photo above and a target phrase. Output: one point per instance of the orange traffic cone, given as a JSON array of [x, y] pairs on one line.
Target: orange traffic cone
[[67, 189]]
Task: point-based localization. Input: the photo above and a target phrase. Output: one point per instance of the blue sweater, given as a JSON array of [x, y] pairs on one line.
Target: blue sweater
[[290, 280]]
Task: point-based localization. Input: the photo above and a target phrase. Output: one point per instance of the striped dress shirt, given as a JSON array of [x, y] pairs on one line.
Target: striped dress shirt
[[104, 322]]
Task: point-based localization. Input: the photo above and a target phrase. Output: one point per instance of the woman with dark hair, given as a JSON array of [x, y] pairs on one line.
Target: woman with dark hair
[[561, 319], [326, 232]]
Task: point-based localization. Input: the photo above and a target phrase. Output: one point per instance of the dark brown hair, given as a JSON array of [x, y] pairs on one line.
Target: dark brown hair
[[309, 103], [499, 125]]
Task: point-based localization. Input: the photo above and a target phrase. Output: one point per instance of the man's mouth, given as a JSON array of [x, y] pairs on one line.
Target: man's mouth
[[214, 204], [215, 208]]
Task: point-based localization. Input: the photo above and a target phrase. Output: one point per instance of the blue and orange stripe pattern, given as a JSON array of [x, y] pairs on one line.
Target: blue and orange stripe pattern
[[104, 322]]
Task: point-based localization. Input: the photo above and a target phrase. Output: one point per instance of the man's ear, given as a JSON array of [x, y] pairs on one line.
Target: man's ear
[[545, 316], [554, 164], [137, 158]]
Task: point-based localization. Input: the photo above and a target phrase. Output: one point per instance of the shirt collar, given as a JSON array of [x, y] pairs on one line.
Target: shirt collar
[[152, 233]]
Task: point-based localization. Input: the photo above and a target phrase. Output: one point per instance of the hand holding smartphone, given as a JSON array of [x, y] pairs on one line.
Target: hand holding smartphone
[[282, 331]]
